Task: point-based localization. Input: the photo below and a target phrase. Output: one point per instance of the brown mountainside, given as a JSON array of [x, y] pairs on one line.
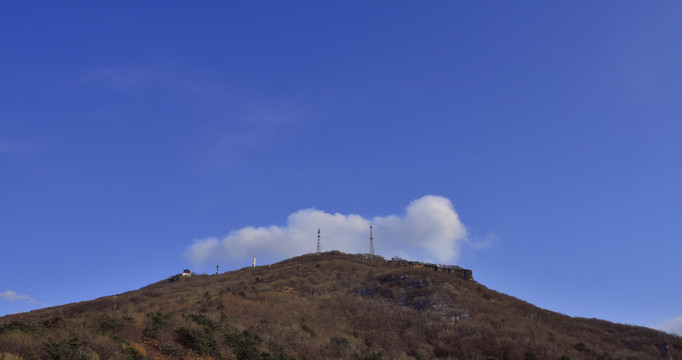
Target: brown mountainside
[[326, 306]]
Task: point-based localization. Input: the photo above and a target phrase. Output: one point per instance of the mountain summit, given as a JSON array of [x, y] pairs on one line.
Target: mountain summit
[[321, 306]]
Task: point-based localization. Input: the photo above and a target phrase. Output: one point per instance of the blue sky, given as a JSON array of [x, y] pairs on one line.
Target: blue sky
[[536, 143]]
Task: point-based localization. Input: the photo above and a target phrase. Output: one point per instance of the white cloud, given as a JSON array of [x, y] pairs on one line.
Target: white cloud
[[10, 295], [488, 241], [673, 326], [429, 230]]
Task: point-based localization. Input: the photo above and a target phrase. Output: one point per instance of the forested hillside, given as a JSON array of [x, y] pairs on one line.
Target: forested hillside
[[326, 306]]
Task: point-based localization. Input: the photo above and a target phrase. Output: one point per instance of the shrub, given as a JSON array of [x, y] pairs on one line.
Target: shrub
[[244, 345], [415, 354], [131, 353], [29, 354], [157, 321], [605, 356], [370, 356], [202, 320], [171, 352], [197, 340], [71, 349], [337, 347], [109, 324], [19, 326], [307, 329], [54, 323], [582, 347], [279, 356]]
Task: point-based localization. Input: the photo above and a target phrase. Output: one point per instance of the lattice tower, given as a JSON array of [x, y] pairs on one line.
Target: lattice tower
[[319, 248], [371, 242]]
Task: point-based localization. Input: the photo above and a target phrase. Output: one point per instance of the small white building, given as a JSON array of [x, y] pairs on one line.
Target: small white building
[[186, 273]]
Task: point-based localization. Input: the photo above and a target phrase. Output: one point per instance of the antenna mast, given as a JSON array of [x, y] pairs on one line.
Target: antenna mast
[[319, 249], [371, 242]]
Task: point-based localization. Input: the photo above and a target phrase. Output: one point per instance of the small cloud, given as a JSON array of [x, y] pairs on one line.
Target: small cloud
[[430, 229], [673, 326], [12, 296], [485, 243]]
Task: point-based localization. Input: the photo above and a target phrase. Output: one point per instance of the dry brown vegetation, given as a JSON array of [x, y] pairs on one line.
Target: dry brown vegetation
[[327, 306]]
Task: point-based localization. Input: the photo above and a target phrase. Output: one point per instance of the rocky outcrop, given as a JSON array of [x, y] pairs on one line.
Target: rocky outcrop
[[455, 270]]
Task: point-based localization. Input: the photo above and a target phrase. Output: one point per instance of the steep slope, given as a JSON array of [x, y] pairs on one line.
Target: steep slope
[[327, 306]]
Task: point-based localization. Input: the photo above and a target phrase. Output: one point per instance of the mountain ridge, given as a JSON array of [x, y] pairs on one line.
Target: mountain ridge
[[322, 306]]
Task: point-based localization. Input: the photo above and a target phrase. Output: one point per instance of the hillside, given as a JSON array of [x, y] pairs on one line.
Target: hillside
[[326, 306]]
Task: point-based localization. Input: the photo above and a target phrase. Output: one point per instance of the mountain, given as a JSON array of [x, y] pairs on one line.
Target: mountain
[[321, 306]]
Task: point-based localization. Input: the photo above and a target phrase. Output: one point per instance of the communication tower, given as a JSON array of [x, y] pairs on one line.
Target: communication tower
[[216, 269], [371, 242], [319, 249]]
